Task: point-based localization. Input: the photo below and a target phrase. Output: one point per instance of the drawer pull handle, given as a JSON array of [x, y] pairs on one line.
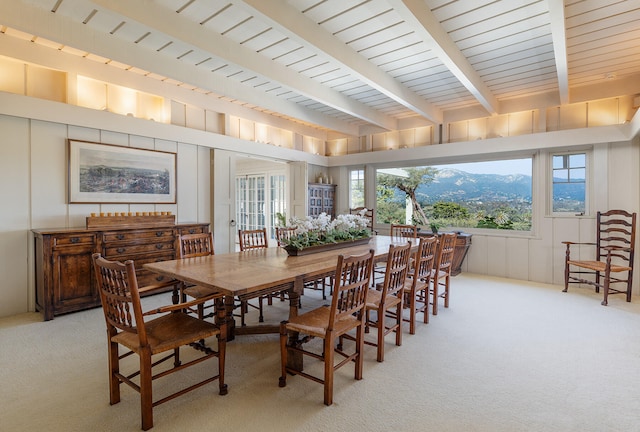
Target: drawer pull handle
[[159, 246], [74, 240], [120, 236], [192, 230], [159, 278], [121, 250], [159, 233]]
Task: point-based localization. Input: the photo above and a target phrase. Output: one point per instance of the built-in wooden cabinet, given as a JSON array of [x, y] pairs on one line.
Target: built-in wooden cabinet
[[64, 272], [322, 199]]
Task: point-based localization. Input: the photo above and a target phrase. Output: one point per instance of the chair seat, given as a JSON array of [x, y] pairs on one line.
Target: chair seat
[[598, 266], [315, 323], [374, 297], [168, 332]]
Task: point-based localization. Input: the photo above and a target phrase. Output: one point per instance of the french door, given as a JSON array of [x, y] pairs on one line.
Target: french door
[[259, 200]]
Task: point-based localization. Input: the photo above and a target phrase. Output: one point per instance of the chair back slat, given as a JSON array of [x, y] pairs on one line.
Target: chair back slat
[[253, 239], [119, 294], [351, 284], [195, 245]]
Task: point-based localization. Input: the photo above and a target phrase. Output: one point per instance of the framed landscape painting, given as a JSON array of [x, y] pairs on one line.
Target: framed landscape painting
[[100, 173]]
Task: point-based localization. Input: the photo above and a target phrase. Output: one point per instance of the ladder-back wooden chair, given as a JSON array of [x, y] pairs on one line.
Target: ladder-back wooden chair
[[441, 273], [399, 233], [418, 283], [613, 257], [366, 213], [352, 278], [164, 336], [386, 300], [193, 246], [252, 240]]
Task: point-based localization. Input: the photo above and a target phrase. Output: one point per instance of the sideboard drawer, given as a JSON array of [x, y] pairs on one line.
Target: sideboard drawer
[[138, 235], [117, 250], [73, 240]]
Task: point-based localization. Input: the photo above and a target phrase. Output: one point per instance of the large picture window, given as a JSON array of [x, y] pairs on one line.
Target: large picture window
[[491, 194], [569, 183]]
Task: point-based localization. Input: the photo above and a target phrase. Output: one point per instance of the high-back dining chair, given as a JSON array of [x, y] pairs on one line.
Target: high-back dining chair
[[283, 234], [417, 284], [387, 300], [126, 326], [366, 213], [613, 258], [441, 273], [253, 239], [193, 246], [401, 231], [346, 314]]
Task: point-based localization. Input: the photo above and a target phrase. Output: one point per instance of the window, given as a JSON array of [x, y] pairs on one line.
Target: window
[[569, 174], [356, 188], [491, 194]]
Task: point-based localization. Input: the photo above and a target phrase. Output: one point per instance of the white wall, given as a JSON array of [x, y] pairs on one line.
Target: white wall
[[33, 180]]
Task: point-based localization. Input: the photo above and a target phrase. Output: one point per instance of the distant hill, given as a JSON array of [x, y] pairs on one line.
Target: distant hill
[[459, 186]]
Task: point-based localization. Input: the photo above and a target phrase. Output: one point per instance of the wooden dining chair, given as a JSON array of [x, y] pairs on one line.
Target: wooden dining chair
[[252, 240], [175, 328], [346, 314], [193, 246], [386, 300], [613, 256], [366, 213], [441, 273], [399, 233], [418, 282]]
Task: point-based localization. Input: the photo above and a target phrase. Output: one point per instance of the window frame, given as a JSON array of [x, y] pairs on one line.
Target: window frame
[[362, 181], [587, 183]]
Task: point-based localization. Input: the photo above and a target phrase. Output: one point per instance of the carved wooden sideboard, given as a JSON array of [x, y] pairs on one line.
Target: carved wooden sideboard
[[463, 241], [64, 272]]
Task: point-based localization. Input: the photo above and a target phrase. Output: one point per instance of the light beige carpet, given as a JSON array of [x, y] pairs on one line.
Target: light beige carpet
[[506, 356]]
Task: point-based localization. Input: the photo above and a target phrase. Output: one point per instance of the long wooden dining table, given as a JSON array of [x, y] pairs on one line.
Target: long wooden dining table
[[256, 272]]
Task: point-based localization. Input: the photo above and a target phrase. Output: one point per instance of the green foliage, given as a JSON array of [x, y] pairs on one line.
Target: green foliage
[[449, 210]]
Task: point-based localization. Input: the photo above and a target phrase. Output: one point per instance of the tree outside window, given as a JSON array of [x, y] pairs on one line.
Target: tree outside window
[[491, 194], [356, 188]]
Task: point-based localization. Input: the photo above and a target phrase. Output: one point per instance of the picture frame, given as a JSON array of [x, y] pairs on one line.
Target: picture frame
[[104, 173]]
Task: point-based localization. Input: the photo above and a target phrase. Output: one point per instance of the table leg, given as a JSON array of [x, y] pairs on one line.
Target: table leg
[[294, 358], [226, 314]]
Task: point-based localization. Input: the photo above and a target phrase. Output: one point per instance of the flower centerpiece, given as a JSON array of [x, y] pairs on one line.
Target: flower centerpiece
[[316, 234]]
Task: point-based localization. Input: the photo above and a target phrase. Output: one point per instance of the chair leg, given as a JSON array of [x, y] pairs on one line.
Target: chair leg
[[146, 394], [412, 313], [381, 330], [606, 287], [328, 369], [114, 368], [222, 351], [399, 324], [359, 352], [629, 286], [447, 281], [435, 296], [282, 382]]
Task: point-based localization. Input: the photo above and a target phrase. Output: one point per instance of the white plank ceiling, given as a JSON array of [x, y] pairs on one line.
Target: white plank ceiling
[[357, 62]]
